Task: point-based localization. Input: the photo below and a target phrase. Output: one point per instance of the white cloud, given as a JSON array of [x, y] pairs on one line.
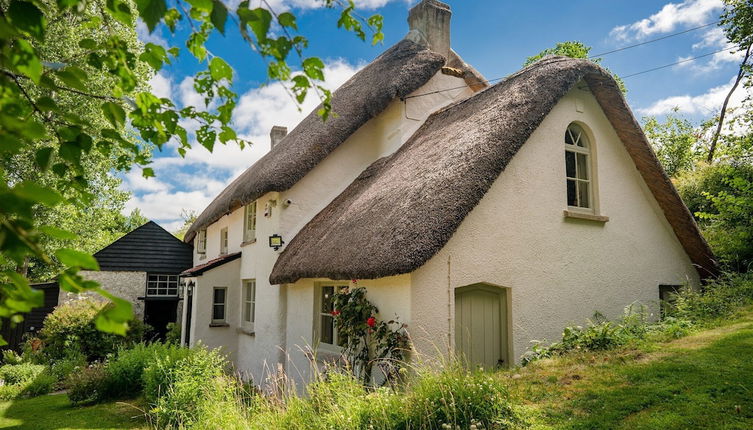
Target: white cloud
[[142, 31], [162, 85], [702, 104], [670, 17], [192, 182]]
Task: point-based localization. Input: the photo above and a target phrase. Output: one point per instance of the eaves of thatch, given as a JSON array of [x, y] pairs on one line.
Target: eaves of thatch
[[399, 71], [405, 207]]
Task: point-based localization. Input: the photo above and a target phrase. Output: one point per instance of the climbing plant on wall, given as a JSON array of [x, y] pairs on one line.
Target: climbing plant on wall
[[368, 342]]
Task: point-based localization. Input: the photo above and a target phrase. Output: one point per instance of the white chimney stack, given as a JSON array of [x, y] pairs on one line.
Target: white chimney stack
[[431, 18], [276, 135]]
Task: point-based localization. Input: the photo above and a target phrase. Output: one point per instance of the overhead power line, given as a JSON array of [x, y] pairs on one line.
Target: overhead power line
[[653, 40]]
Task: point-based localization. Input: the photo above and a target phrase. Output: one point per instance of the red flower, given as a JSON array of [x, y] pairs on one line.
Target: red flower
[[354, 280], [335, 313], [371, 322]]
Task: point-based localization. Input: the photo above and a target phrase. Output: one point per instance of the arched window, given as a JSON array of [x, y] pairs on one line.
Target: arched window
[[578, 168]]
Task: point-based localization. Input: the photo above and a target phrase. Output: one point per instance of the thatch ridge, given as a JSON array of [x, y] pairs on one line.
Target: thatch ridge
[[405, 207], [399, 71]]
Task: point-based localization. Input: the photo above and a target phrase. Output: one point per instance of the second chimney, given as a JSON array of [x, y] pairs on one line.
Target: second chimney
[[432, 19], [276, 135]]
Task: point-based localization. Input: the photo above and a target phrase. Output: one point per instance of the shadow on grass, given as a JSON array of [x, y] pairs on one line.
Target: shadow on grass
[[704, 388], [53, 412]]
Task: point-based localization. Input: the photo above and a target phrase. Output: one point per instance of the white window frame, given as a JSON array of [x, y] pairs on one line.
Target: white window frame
[[589, 181], [249, 222], [248, 310], [223, 304], [162, 285], [223, 241], [201, 242], [319, 314]]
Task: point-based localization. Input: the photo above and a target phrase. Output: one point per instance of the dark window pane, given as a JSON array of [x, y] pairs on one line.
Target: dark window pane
[[569, 138], [584, 199], [570, 164], [218, 312], [219, 295], [582, 161], [327, 334], [571, 193], [327, 293]]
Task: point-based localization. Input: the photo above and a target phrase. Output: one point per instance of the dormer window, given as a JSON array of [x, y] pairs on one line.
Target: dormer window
[[578, 169], [223, 241], [201, 242], [249, 222]]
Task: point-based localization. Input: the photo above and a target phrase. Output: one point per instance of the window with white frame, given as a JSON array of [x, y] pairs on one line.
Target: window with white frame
[[223, 241], [325, 331], [578, 168], [249, 222], [201, 242], [219, 305], [162, 285], [249, 303]]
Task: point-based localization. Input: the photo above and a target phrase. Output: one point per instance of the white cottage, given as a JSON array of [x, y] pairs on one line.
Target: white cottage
[[483, 217]]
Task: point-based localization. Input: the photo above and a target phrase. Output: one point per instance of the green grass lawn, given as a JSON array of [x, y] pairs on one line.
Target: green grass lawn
[[704, 381], [54, 412]]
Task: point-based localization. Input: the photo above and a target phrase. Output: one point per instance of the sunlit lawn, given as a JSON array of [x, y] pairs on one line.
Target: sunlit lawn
[[55, 412]]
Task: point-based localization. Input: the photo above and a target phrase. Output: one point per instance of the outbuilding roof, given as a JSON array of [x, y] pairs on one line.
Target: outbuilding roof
[[149, 248], [405, 207], [399, 71]]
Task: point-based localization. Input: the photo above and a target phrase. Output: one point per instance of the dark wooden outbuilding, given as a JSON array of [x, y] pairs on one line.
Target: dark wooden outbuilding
[[15, 334]]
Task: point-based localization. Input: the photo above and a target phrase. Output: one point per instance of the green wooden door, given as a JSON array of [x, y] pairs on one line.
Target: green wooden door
[[481, 326]]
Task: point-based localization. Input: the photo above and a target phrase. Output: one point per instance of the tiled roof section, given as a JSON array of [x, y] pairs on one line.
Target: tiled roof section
[[211, 264], [149, 248]]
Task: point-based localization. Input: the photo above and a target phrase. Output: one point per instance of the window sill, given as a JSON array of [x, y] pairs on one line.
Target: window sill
[[247, 331], [219, 324], [248, 242], [584, 216]]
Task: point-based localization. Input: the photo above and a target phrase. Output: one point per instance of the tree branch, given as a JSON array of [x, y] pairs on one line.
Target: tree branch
[[740, 75]]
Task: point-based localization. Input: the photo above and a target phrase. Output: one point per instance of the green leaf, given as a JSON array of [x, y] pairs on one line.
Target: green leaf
[[65, 4], [24, 59], [203, 5], [46, 104], [28, 18], [219, 69], [154, 55], [74, 77], [32, 191], [43, 158], [114, 113], [314, 68], [119, 10], [151, 11], [57, 233], [147, 172], [73, 258], [218, 15], [114, 317], [287, 19], [10, 144], [171, 18], [258, 19]]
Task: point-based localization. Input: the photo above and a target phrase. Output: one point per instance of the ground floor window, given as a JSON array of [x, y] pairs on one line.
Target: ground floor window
[[667, 298], [219, 305], [325, 331], [158, 285]]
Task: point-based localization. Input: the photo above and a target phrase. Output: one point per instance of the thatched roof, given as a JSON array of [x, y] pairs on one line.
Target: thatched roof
[[405, 207], [399, 71]]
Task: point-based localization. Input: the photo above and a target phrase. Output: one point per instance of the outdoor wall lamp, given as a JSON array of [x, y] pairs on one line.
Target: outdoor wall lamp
[[276, 242]]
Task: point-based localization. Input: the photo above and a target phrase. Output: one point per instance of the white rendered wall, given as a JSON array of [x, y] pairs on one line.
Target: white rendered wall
[[560, 271]]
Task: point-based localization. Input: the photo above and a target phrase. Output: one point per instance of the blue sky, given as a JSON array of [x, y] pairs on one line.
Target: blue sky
[[493, 36]]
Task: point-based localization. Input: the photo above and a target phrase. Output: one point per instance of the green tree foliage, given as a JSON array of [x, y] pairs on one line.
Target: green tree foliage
[[63, 61], [721, 197], [676, 142], [189, 216], [573, 49]]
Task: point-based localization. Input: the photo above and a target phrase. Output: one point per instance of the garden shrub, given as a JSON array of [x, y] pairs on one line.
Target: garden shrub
[[13, 374], [24, 379], [89, 385], [11, 357], [126, 369], [42, 384], [173, 333], [718, 299], [70, 329], [62, 369]]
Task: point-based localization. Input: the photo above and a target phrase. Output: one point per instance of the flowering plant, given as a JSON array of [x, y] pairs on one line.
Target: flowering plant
[[367, 342]]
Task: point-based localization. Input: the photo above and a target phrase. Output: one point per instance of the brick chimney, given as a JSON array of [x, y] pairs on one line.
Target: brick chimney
[[276, 135], [431, 18]]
